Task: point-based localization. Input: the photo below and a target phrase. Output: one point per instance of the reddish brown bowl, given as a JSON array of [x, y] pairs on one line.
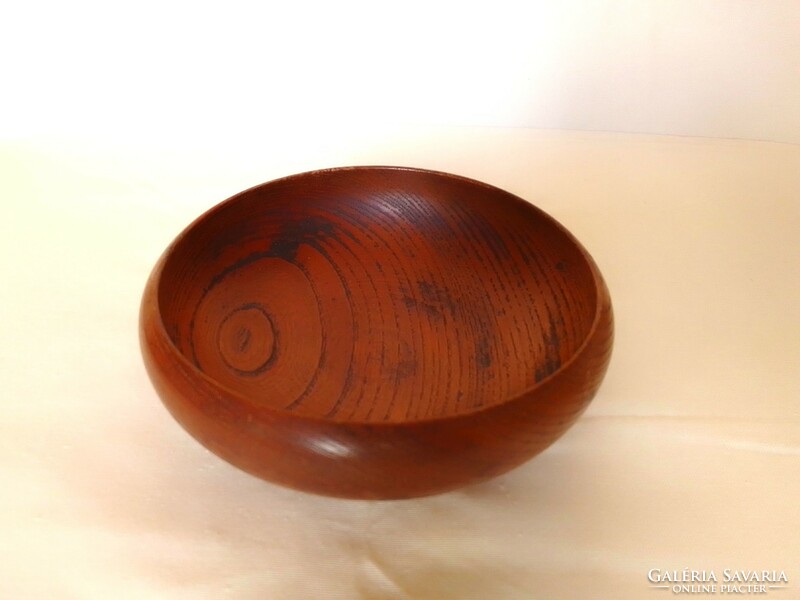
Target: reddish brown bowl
[[376, 332]]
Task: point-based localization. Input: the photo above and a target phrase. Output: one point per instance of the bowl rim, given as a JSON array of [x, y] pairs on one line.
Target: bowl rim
[[152, 292]]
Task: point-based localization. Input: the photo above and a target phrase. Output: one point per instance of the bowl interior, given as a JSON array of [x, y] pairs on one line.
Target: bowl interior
[[376, 294]]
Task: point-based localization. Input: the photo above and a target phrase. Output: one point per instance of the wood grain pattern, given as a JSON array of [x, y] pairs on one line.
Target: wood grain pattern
[[376, 332]]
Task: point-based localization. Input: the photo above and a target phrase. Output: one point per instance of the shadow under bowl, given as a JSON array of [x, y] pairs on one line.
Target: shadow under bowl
[[376, 332]]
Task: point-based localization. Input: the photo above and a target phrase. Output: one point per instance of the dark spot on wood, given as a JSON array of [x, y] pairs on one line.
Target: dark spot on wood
[[437, 299], [405, 368], [432, 311], [308, 231], [243, 339], [552, 356], [483, 353], [561, 266], [549, 367], [430, 292], [410, 302], [490, 236]]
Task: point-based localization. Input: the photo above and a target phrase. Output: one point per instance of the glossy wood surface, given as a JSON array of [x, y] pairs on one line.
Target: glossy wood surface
[[376, 332]]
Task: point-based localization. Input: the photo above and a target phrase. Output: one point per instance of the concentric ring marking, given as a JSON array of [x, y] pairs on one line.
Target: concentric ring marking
[[246, 340]]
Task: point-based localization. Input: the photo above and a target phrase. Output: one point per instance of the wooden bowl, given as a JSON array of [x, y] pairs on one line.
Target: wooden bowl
[[376, 332]]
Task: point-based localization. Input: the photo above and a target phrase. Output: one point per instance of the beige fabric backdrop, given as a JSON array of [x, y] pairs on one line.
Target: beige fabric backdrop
[[688, 458]]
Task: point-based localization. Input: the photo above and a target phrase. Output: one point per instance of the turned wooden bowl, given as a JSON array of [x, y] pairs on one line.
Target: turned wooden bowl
[[376, 332]]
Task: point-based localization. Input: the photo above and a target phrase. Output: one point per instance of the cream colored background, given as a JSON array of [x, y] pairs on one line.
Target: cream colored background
[[121, 125], [689, 456]]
